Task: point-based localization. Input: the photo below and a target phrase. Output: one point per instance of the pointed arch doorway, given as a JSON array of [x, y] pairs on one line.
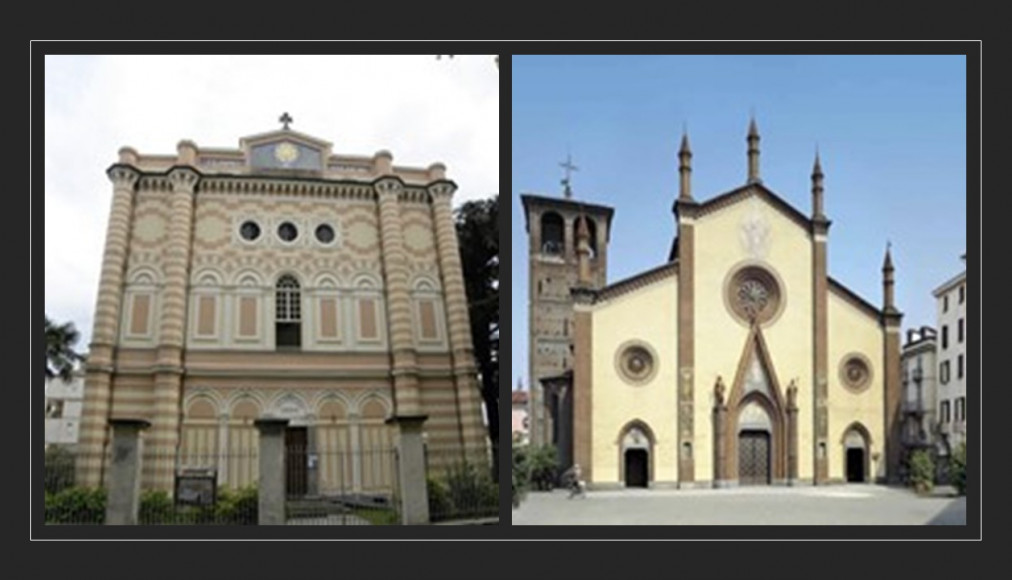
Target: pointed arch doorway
[[751, 430]]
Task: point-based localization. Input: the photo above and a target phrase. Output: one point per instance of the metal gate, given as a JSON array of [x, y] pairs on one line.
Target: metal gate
[[754, 458]]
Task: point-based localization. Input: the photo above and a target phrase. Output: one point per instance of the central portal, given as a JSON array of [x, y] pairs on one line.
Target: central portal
[[754, 458]]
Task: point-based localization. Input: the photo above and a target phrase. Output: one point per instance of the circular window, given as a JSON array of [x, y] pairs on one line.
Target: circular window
[[753, 295], [855, 372], [249, 231], [636, 363], [325, 233], [288, 232]]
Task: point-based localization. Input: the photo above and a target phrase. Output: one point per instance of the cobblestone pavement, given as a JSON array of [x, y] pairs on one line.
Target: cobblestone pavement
[[832, 505]]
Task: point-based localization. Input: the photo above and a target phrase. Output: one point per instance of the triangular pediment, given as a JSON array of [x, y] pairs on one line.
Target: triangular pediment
[[756, 375], [285, 150]]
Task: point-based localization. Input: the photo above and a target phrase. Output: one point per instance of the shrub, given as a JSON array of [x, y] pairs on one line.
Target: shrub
[[922, 471], [75, 505], [59, 469], [958, 471], [156, 507], [521, 474], [543, 466], [440, 505], [238, 507]]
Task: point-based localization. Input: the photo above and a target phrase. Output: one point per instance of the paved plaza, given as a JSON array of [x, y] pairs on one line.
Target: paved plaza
[[832, 505]]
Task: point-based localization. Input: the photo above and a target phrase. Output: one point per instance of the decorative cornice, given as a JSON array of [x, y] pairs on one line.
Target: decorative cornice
[[636, 282], [855, 300], [743, 192]]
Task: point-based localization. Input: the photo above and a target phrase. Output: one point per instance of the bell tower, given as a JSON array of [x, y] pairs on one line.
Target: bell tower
[[557, 240]]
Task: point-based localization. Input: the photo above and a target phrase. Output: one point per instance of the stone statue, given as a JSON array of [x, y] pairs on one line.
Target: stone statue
[[792, 394], [718, 391]]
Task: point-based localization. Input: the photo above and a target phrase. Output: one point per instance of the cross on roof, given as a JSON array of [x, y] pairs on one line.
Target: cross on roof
[[286, 119], [568, 180]]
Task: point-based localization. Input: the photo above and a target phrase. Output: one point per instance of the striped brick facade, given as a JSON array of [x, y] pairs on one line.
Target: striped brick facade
[[185, 333]]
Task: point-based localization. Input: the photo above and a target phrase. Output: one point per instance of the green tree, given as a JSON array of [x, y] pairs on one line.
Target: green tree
[[61, 358], [478, 232]]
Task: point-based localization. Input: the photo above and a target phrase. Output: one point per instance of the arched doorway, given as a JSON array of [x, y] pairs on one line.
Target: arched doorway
[[856, 454], [636, 444], [755, 431], [636, 467]]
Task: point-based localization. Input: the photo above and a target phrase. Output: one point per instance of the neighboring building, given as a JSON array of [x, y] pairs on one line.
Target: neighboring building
[[553, 271], [920, 422], [63, 409], [951, 398], [739, 361], [280, 280], [521, 420]]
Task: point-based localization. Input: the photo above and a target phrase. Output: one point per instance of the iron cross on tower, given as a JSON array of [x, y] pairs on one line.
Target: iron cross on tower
[[285, 119], [567, 181]]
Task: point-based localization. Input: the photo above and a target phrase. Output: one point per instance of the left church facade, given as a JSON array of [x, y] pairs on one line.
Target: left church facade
[[278, 280]]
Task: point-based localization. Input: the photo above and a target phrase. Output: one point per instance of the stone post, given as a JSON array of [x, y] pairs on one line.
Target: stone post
[[272, 471], [720, 445], [792, 444], [124, 481], [414, 494]]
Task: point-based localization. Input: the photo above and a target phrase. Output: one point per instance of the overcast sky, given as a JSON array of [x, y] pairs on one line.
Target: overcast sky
[[419, 108]]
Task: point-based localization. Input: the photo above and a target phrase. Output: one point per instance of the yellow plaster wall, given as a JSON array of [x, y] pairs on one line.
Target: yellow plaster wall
[[720, 338], [852, 330], [648, 315]]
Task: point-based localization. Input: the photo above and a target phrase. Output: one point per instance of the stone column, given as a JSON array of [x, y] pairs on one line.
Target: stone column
[[792, 443], [272, 471], [355, 434], [124, 482], [108, 311], [466, 387], [583, 382], [414, 493], [223, 448], [398, 300], [312, 458], [171, 333], [720, 445]]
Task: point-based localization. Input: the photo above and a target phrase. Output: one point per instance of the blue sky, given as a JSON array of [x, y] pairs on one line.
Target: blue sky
[[891, 131]]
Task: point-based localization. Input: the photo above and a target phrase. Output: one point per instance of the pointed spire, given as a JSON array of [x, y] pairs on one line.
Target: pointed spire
[[753, 152], [888, 282], [817, 209], [685, 168]]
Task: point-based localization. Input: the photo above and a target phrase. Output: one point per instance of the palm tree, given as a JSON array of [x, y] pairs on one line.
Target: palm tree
[[61, 358]]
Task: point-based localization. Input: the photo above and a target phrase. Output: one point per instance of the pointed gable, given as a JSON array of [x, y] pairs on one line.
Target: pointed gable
[[285, 150]]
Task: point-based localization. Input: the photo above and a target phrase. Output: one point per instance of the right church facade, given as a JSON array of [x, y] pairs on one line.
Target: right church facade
[[739, 361]]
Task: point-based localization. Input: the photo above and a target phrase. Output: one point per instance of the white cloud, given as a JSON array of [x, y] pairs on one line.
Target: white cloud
[[421, 109]]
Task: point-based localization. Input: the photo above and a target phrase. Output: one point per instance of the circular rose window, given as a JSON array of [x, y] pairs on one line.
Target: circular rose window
[[855, 372], [753, 295], [636, 363]]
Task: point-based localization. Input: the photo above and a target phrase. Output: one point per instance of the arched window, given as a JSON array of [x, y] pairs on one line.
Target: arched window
[[552, 232], [288, 313]]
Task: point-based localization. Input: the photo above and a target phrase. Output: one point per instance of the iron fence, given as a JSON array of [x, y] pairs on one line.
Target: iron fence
[[340, 487]]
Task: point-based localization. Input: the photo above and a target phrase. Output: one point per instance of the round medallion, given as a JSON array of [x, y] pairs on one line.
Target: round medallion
[[635, 363], [855, 372], [286, 152]]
